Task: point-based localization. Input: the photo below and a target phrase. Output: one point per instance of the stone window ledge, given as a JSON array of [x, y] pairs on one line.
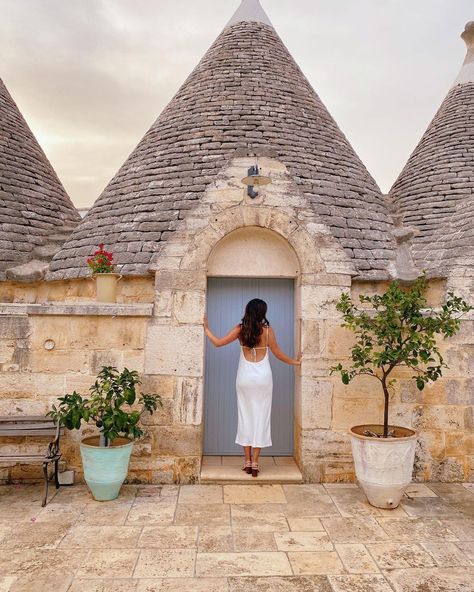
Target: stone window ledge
[[79, 309]]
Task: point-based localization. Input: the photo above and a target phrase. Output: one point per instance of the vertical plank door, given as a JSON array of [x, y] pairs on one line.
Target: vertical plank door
[[226, 300]]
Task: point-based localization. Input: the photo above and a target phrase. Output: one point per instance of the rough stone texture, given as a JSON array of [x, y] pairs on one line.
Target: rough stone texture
[[435, 190], [434, 194], [167, 349], [174, 337], [82, 309], [174, 203], [246, 94], [442, 412], [129, 290], [458, 242], [31, 379], [177, 539], [36, 215]]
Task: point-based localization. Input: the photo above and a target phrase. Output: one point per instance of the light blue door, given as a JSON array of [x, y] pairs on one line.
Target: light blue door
[[226, 300]]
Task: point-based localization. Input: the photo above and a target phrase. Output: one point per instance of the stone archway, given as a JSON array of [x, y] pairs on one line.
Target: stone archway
[[249, 262], [175, 338], [253, 251]]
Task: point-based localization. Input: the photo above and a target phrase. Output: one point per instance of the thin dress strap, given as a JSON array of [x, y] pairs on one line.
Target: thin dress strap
[[253, 350], [267, 335]]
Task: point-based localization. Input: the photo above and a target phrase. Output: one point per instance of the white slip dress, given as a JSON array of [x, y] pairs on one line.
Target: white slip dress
[[254, 386]]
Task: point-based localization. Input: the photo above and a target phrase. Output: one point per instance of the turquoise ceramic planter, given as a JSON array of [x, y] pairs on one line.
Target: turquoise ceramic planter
[[106, 468]]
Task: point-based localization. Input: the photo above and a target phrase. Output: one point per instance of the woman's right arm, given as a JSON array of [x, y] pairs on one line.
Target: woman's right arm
[[276, 351], [221, 341]]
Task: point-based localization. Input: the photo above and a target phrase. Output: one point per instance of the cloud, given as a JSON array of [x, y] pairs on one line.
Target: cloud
[[90, 76]]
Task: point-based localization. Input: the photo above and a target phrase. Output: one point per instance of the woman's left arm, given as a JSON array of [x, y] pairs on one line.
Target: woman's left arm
[[220, 342], [276, 351]]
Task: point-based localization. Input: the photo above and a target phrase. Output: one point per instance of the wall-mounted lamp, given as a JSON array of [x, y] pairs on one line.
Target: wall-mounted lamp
[[254, 179]]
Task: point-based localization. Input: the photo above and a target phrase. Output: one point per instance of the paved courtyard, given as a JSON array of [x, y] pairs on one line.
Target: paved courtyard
[[236, 538]]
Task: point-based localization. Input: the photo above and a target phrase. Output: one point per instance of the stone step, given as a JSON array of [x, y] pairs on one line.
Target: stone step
[[228, 470]]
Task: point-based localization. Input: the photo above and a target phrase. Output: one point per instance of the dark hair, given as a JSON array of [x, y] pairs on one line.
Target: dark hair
[[253, 321]]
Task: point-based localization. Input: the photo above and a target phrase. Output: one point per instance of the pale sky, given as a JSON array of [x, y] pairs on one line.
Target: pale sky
[[91, 76]]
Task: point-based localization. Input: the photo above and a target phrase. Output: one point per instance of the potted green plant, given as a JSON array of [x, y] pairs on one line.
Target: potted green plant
[[115, 409], [104, 274], [396, 330]]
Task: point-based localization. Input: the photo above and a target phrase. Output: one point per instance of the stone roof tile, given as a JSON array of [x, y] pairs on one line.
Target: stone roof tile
[[435, 190], [33, 203], [246, 91]]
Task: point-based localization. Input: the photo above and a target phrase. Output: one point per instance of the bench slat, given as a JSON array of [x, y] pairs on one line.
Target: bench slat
[[28, 426], [20, 432], [26, 459], [23, 418], [33, 425]]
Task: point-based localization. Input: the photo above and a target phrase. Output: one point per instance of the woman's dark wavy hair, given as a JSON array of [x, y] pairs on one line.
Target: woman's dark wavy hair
[[252, 322]]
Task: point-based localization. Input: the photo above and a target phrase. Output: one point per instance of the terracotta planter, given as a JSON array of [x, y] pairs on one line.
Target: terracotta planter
[[106, 286], [105, 468], [383, 466]]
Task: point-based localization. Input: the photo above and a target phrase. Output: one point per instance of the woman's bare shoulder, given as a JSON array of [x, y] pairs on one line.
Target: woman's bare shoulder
[[271, 333]]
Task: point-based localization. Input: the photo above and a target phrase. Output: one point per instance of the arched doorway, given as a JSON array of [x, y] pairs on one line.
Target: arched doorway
[[248, 263]]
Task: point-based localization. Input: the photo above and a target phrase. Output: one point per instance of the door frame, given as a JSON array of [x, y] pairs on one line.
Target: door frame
[[296, 340]]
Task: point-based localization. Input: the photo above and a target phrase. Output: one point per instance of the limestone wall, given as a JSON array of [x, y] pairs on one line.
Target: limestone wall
[[131, 290], [32, 377], [85, 336], [156, 328], [442, 413], [175, 338]]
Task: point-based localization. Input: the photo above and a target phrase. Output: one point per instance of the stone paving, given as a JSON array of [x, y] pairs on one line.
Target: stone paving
[[235, 538]]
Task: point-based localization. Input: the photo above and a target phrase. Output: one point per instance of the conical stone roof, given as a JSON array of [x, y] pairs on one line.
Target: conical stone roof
[[36, 215], [247, 90], [435, 190]]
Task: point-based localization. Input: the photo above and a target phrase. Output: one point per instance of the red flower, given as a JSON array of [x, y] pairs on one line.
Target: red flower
[[101, 260]]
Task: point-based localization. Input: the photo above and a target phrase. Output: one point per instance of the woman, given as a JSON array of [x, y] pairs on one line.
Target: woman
[[254, 382]]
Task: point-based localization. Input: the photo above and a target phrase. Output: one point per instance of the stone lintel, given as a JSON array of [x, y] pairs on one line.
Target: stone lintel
[[79, 309]]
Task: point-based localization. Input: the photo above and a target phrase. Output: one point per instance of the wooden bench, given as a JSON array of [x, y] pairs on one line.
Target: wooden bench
[[33, 426]]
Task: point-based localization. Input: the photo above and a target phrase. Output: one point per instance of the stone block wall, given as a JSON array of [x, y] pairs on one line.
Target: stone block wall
[[156, 329], [31, 378], [185, 260], [442, 413], [131, 290], [85, 339]]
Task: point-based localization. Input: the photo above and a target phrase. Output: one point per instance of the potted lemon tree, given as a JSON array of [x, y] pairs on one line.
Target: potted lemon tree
[[115, 408], [396, 329], [104, 274]]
